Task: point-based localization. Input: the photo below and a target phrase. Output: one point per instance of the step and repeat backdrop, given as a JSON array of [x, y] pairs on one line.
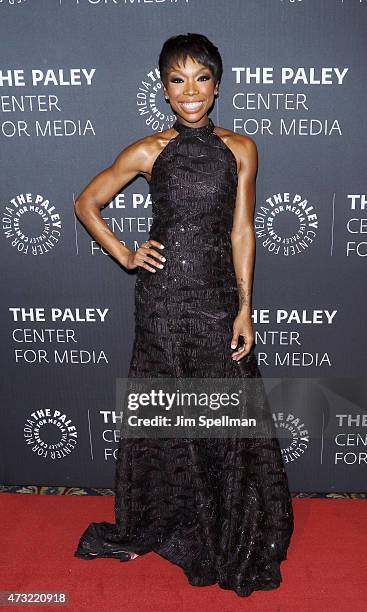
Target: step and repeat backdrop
[[79, 81]]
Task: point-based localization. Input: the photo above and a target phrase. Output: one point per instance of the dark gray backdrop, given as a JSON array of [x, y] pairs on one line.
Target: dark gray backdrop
[[79, 82]]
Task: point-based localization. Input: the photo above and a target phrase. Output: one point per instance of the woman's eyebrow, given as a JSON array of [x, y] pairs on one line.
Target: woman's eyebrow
[[197, 72]]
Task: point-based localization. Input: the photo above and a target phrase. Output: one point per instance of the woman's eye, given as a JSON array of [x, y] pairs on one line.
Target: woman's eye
[[204, 76]]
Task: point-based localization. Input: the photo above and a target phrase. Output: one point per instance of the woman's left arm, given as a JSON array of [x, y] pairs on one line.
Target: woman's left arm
[[244, 242]]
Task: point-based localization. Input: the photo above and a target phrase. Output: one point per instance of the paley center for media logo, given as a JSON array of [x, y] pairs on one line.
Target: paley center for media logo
[[31, 223], [50, 433], [294, 446], [286, 224], [151, 104], [13, 2]]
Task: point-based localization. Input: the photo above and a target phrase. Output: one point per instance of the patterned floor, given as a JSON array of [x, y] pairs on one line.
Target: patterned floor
[[39, 490]]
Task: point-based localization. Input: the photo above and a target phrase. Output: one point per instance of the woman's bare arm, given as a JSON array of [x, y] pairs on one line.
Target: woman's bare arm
[[243, 239], [133, 160]]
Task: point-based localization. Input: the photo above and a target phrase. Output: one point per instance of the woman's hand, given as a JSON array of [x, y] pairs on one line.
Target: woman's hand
[[242, 326], [145, 255]]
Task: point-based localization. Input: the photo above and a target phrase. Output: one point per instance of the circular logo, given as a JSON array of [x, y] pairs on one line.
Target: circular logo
[[151, 105], [13, 2], [50, 434], [286, 224], [294, 437], [31, 224]]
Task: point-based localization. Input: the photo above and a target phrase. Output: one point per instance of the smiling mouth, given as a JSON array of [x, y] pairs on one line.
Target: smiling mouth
[[191, 105]]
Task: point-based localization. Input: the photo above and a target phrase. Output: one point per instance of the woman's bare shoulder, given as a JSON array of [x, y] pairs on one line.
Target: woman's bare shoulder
[[234, 136], [243, 147], [147, 148]]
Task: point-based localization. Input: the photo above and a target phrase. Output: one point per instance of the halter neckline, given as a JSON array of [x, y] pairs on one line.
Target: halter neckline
[[199, 131]]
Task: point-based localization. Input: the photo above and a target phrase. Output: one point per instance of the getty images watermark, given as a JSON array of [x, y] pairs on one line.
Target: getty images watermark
[[193, 408]]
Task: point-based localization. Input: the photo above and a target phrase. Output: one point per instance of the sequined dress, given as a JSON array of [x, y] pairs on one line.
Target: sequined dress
[[220, 508]]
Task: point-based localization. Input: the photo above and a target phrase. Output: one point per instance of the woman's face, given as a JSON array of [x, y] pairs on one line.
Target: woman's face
[[190, 90]]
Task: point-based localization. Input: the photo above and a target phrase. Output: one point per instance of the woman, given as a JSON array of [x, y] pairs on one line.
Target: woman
[[219, 508]]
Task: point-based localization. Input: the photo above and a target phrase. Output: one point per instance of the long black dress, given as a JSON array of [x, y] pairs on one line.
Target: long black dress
[[219, 508]]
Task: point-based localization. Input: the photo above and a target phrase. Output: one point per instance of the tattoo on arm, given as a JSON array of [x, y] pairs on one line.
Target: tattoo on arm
[[244, 294]]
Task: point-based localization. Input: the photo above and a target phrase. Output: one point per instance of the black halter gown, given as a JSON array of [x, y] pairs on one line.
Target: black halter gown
[[219, 508]]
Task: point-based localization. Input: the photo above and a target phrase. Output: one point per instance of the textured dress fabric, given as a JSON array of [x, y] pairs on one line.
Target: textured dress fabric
[[220, 508]]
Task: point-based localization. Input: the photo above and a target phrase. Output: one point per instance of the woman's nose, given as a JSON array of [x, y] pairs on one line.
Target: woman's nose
[[191, 89]]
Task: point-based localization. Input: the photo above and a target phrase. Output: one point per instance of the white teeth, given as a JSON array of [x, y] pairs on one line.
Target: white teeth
[[191, 104]]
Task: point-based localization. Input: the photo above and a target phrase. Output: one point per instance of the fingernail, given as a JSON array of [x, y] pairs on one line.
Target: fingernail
[[163, 259], [161, 247], [233, 346]]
